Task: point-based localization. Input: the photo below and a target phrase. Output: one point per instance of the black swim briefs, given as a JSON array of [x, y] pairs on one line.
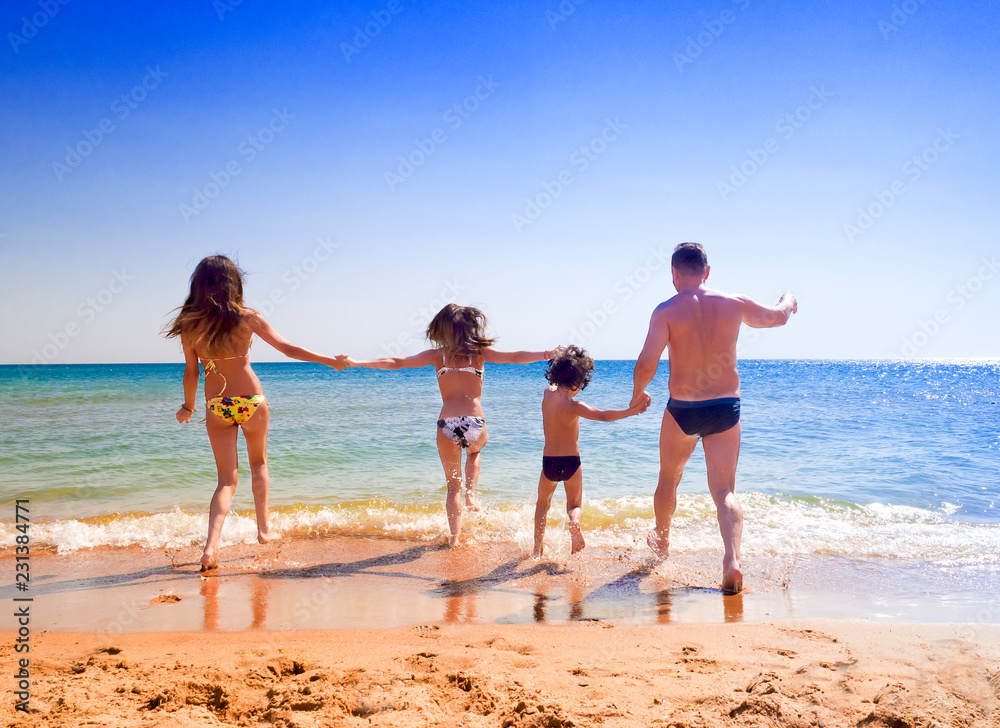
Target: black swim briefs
[[707, 417], [560, 467]]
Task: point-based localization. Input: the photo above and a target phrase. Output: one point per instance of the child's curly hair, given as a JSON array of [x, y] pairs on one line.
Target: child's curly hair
[[571, 368]]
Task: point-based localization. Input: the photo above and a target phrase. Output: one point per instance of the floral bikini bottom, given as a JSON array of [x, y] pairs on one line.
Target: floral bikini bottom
[[236, 410]]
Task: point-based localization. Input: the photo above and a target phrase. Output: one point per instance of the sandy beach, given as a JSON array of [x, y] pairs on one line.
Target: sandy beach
[[820, 673], [353, 631]]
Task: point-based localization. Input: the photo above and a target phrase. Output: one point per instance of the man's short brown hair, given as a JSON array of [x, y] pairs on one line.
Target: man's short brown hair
[[689, 259]]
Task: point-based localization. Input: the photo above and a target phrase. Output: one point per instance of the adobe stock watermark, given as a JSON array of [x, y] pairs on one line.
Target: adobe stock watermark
[[222, 7], [624, 288], [292, 278], [955, 299], [696, 44], [30, 26], [900, 16], [581, 159], [786, 126], [987, 616], [121, 108], [248, 150], [420, 318], [364, 35], [304, 612], [453, 117], [913, 170], [561, 14], [87, 312]]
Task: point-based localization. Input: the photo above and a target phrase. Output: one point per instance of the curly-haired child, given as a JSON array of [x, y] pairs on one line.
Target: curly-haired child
[[568, 374]]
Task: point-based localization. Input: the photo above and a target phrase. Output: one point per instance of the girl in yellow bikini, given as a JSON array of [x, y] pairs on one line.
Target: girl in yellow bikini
[[460, 349], [216, 328]]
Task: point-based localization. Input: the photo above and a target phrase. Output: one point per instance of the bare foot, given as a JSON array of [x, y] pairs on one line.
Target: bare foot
[[576, 538], [209, 562], [471, 502], [732, 579], [659, 542], [268, 537], [455, 541]]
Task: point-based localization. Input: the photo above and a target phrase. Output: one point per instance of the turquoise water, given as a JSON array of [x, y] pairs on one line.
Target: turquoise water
[[862, 459]]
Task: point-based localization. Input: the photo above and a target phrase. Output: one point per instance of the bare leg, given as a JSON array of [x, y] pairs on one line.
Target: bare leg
[[255, 432], [722, 451], [451, 461], [675, 450], [472, 461], [574, 507], [545, 490], [222, 435]]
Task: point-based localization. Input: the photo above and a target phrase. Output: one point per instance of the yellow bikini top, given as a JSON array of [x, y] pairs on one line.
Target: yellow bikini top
[[210, 368]]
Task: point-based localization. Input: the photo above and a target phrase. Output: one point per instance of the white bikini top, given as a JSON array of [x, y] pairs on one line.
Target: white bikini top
[[469, 369]]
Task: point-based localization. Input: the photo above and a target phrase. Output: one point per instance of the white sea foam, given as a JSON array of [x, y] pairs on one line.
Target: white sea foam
[[774, 525]]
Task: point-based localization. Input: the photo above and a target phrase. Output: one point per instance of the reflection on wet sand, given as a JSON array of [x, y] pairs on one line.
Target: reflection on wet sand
[[260, 592], [460, 595], [555, 593], [460, 610], [733, 607], [210, 593], [664, 602], [576, 597], [622, 599]]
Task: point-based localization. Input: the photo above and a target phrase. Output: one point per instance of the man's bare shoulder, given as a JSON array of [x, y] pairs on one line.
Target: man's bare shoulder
[[686, 298], [670, 304], [712, 293]]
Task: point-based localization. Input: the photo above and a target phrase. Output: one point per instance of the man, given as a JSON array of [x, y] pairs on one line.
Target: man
[[699, 328]]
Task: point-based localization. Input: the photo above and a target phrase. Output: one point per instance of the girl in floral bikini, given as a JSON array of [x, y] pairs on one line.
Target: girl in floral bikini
[[215, 327], [460, 349]]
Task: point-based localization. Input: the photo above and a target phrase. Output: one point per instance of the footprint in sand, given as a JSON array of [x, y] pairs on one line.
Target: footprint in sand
[[779, 651], [809, 634], [700, 665]]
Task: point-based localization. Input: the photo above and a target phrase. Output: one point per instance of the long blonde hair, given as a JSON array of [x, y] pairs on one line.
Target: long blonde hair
[[214, 308], [459, 330]]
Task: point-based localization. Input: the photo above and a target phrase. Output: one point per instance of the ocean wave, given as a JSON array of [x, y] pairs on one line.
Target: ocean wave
[[774, 525]]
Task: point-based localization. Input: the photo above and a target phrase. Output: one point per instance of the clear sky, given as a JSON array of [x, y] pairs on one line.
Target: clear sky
[[367, 162]]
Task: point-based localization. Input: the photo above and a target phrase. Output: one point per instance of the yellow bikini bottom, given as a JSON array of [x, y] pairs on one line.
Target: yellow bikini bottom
[[236, 410]]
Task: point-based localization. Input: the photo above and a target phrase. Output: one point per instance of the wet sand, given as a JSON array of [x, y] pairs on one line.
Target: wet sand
[[368, 583]]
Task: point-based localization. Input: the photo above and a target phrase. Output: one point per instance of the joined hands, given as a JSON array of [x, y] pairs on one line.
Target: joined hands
[[640, 402], [340, 362]]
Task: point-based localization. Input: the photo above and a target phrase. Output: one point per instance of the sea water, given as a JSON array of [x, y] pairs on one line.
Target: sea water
[[855, 459]]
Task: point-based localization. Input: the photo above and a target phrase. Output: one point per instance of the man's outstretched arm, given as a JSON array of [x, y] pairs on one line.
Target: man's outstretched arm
[[758, 316], [649, 358]]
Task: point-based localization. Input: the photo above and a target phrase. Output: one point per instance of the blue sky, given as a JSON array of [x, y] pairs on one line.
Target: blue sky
[[538, 160]]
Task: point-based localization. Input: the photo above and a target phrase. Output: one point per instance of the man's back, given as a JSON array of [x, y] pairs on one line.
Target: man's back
[[699, 328], [702, 328]]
